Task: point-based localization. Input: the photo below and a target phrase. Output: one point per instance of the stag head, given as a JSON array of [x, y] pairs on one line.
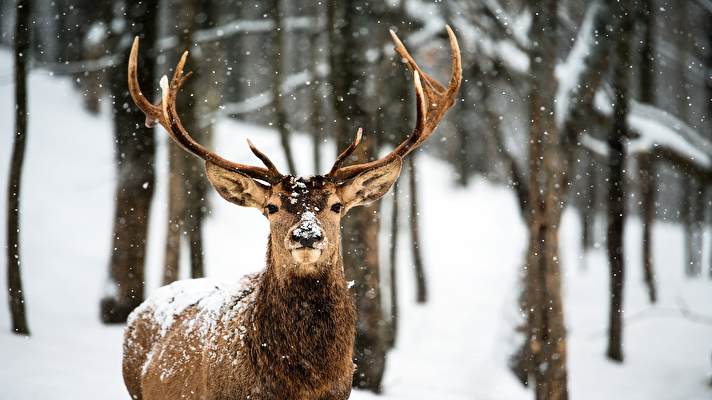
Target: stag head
[[304, 213]]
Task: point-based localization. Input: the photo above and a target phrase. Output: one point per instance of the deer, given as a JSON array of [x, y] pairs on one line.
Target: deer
[[288, 331]]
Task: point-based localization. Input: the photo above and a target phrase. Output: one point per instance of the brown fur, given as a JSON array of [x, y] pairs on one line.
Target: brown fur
[[285, 333]]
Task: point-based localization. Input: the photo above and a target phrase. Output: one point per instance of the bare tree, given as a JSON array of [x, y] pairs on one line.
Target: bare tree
[[316, 91], [616, 181], [646, 169], [588, 208], [176, 205], [545, 319], [280, 113], [421, 288], [646, 166], [360, 228], [187, 185], [135, 157], [393, 267], [708, 66], [14, 277]]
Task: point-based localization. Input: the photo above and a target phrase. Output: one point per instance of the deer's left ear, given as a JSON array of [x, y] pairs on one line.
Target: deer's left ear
[[370, 185]]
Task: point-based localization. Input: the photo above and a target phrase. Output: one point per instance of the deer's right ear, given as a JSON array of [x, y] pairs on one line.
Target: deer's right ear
[[236, 187]]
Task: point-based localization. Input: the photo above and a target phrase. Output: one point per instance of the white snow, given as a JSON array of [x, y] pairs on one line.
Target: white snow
[[449, 349], [170, 301], [568, 73], [655, 127]]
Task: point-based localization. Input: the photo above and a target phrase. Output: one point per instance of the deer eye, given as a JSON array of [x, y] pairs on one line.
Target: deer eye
[[271, 208], [336, 207]]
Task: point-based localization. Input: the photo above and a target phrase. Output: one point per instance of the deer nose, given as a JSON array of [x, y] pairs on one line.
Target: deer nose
[[306, 240], [308, 231]]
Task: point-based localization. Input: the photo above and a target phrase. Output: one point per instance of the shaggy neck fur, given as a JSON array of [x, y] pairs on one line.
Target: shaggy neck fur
[[304, 325]]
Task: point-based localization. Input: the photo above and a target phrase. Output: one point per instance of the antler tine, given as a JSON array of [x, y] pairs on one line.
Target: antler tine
[[433, 100], [346, 153], [263, 157], [153, 112], [166, 114]]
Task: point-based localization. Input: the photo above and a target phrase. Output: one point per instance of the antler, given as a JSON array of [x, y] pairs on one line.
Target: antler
[[166, 114], [432, 100]]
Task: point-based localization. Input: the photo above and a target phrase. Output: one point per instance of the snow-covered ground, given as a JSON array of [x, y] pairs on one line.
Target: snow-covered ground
[[453, 348]]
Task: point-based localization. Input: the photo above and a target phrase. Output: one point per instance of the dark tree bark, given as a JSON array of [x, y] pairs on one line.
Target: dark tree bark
[[316, 94], [361, 226], [588, 208], [393, 267], [646, 165], [695, 227], [14, 277], [646, 169], [708, 66], [421, 288], [616, 182], [462, 163], [544, 309], [135, 156], [681, 47], [280, 113], [647, 53]]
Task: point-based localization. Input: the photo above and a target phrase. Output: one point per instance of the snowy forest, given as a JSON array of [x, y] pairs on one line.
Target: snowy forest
[[546, 236]]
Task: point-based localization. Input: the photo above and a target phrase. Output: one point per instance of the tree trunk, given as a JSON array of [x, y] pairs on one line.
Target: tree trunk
[[647, 53], [176, 205], [463, 145], [393, 268], [646, 165], [361, 226], [135, 156], [693, 222], [316, 93], [708, 66], [280, 113], [696, 227], [647, 195], [187, 185], [588, 208], [616, 183], [421, 288], [543, 301], [681, 47], [14, 276]]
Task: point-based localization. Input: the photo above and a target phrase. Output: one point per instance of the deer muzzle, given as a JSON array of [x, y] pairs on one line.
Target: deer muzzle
[[306, 240]]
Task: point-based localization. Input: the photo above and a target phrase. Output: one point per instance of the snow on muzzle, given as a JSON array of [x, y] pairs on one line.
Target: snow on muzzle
[[308, 232], [306, 240]]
